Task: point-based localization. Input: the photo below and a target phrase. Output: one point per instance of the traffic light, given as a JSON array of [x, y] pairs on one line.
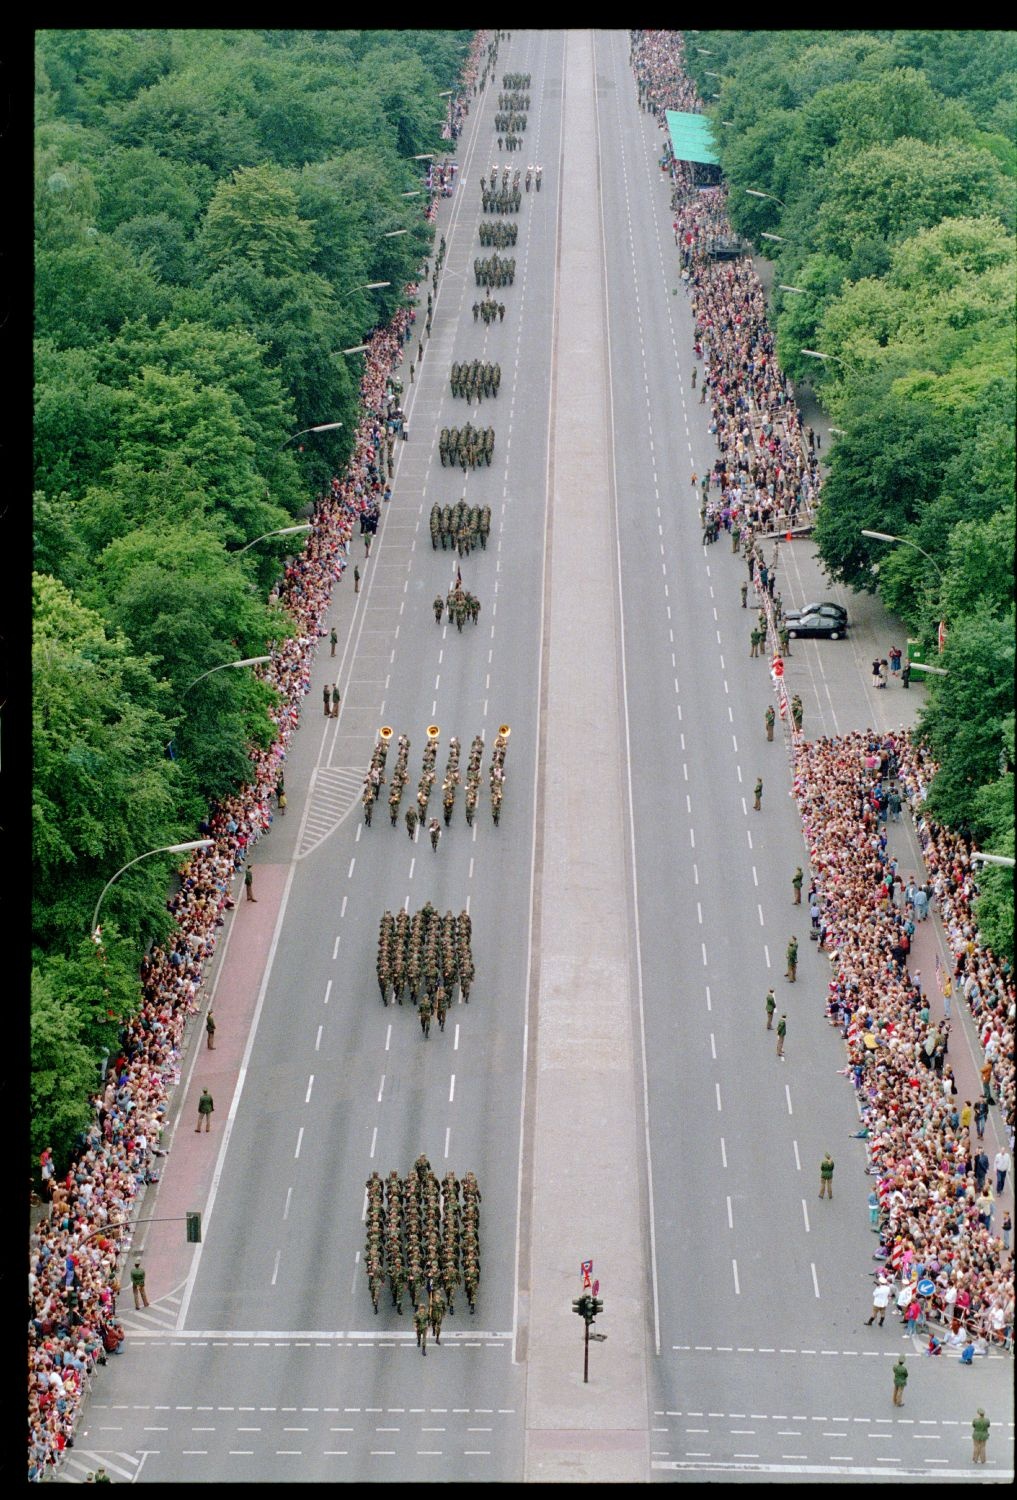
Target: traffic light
[[587, 1306], [193, 1228]]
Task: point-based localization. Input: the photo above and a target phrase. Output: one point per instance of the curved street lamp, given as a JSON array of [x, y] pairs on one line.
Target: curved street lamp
[[280, 531], [757, 193], [247, 661], [392, 234], [166, 849], [885, 536], [818, 354], [321, 427], [977, 857]]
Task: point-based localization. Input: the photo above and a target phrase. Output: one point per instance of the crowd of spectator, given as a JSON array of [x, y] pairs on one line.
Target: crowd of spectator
[[75, 1246], [933, 1202], [753, 414]]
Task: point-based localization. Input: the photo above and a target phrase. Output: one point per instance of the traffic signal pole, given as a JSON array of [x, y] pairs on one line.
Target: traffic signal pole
[[587, 1307]]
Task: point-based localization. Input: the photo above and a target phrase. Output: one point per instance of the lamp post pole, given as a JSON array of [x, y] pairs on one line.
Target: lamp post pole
[[245, 661], [165, 849], [280, 531]]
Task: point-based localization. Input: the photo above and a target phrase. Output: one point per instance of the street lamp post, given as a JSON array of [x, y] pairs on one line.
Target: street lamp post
[[280, 531], [165, 849], [818, 354], [885, 536], [764, 235], [321, 427], [978, 858], [392, 234], [783, 287], [247, 661]]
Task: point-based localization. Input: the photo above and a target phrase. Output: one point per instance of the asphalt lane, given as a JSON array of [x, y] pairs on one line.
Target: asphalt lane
[[267, 1361], [761, 1288]]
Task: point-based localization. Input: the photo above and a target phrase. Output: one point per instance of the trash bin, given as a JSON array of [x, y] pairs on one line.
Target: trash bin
[[916, 651]]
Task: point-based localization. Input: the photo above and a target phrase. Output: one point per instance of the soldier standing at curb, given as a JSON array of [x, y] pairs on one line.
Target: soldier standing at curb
[[249, 883], [791, 973], [326, 698], [335, 702], [979, 1436], [769, 719], [796, 882], [771, 1006], [138, 1284], [900, 1380], [205, 1108], [826, 1177], [781, 1034], [745, 596], [210, 1031], [757, 794], [333, 639]]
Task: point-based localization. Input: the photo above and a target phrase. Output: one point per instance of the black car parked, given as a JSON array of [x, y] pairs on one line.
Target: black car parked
[[817, 619]]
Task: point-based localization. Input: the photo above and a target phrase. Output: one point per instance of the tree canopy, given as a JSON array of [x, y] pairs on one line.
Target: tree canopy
[[208, 208]]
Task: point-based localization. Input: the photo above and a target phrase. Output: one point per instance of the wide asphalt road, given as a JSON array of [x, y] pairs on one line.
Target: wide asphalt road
[[744, 1294]]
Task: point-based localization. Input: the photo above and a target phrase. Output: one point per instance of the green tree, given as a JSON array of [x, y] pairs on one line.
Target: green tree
[[254, 217], [102, 789], [964, 720]]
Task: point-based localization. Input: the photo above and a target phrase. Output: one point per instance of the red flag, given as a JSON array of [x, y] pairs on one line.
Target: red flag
[[459, 577]]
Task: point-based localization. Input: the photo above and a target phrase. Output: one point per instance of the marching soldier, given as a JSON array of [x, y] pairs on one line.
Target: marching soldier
[[411, 823], [438, 606], [437, 1313], [769, 718], [434, 829], [421, 1321], [757, 794], [792, 960], [425, 1014]]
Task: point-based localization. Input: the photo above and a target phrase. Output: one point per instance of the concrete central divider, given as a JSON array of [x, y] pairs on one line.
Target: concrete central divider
[[585, 1154]]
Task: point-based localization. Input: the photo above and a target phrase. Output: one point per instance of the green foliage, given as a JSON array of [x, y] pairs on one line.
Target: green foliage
[[208, 205], [254, 217], [964, 720], [102, 789], [64, 1069]]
